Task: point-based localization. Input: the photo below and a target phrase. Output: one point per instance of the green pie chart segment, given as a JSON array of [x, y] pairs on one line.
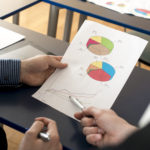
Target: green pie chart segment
[[100, 45]]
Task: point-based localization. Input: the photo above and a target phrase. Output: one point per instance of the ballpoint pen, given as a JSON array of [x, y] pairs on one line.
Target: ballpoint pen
[[76, 102], [45, 136]]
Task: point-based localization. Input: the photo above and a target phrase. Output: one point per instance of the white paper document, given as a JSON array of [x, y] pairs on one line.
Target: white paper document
[[139, 8], [8, 37], [100, 60], [24, 52]]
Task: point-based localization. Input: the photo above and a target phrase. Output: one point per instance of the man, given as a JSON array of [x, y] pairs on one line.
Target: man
[[33, 71]]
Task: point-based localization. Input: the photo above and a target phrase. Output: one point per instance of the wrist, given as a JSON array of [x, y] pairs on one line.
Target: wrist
[[132, 129], [128, 130]]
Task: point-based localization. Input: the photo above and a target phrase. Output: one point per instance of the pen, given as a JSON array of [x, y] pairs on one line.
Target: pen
[[44, 136], [76, 102], [79, 105]]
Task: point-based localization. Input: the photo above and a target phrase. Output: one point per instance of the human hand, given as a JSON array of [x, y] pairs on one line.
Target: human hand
[[35, 70], [104, 127], [31, 141]]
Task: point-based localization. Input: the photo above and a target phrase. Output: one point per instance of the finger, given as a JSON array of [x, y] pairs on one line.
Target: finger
[[79, 115], [35, 129], [52, 131], [51, 125], [56, 63], [94, 139], [59, 58], [45, 120], [92, 111], [87, 122], [92, 130]]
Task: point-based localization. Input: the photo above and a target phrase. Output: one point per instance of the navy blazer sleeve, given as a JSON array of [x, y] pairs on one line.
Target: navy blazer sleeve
[[9, 72]]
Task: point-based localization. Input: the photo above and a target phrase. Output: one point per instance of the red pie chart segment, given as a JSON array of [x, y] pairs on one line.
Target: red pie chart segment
[[143, 11], [101, 71], [99, 75]]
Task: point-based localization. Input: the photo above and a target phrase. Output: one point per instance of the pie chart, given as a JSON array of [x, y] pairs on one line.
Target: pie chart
[[121, 5], [100, 45], [101, 71], [143, 11], [110, 3]]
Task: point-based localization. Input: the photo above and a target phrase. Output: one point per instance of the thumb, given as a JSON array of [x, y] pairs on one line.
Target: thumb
[[36, 128], [57, 64]]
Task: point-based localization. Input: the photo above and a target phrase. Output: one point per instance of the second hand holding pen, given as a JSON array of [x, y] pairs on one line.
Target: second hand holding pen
[[79, 105]]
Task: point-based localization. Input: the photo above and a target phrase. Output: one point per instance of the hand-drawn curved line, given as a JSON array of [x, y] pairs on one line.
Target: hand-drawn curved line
[[66, 93]]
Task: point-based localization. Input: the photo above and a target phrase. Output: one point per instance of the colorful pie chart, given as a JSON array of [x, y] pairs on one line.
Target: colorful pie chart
[[121, 5], [110, 3], [101, 71], [100, 45], [143, 12]]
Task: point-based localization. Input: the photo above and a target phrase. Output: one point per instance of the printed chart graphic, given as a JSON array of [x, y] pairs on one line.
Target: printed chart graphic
[[143, 11], [110, 3], [100, 45], [119, 4], [101, 71]]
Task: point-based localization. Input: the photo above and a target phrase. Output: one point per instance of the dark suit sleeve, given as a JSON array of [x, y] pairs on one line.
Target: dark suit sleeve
[[9, 72], [140, 140], [3, 140]]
